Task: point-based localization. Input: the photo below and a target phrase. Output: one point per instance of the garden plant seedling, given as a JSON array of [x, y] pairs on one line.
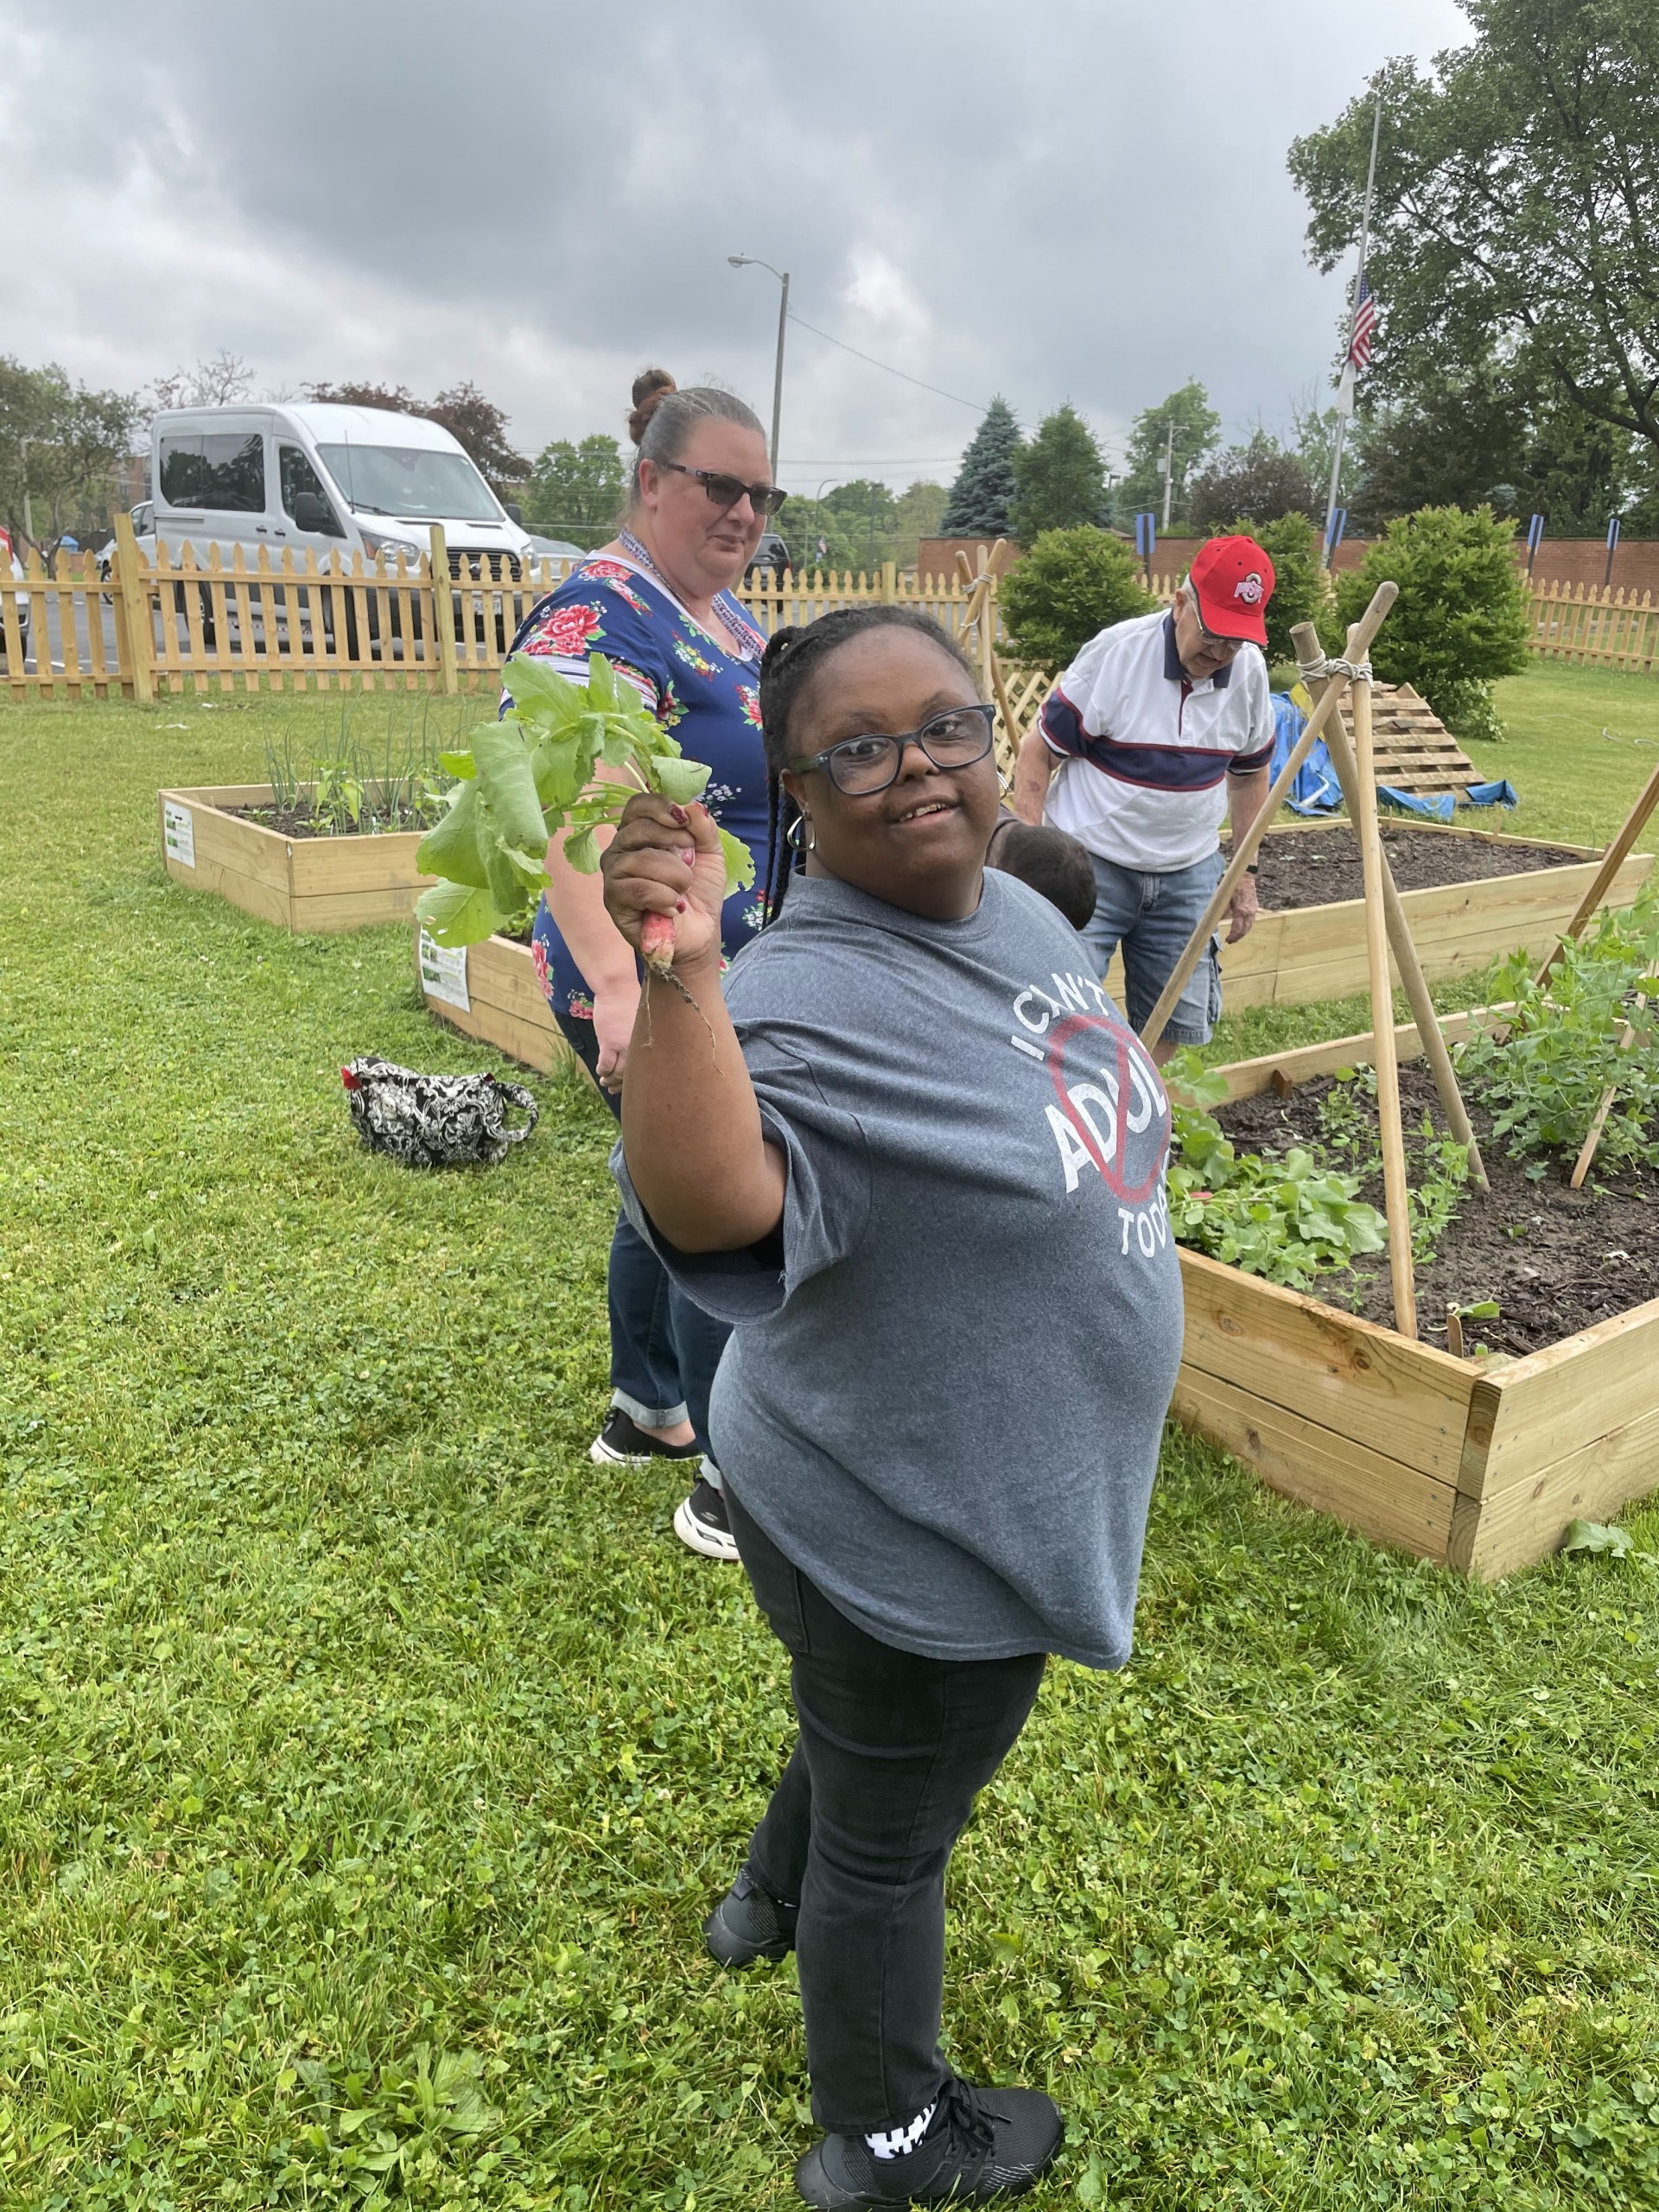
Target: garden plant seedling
[[533, 773]]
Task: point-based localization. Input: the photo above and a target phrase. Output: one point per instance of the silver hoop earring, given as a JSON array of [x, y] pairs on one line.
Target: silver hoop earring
[[802, 837]]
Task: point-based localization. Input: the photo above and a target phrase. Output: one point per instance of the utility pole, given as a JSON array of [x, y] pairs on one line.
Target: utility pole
[[749, 261], [1345, 388], [1169, 456]]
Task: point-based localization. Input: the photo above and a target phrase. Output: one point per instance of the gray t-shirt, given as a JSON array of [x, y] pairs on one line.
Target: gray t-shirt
[[945, 1407]]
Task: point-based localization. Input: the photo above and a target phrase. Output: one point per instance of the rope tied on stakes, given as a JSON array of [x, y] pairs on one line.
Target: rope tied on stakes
[[1356, 671]]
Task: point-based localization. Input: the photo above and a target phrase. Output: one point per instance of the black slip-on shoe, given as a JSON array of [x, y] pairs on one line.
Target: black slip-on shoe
[[700, 1520], [981, 2144], [747, 1925], [622, 1442]]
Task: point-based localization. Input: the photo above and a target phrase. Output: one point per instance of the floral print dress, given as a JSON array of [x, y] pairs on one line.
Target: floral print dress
[[707, 694]]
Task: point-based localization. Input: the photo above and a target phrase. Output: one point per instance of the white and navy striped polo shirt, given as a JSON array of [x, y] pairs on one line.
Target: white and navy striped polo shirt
[[1145, 750]]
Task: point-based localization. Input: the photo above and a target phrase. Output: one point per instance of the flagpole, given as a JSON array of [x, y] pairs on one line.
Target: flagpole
[[1345, 388]]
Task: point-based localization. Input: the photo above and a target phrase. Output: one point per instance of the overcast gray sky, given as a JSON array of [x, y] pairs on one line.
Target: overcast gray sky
[[1080, 200]]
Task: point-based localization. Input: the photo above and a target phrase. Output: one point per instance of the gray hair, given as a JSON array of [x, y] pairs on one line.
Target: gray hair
[[664, 418]]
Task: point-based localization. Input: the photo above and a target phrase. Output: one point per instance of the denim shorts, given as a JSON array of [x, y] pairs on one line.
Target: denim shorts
[[1152, 917]]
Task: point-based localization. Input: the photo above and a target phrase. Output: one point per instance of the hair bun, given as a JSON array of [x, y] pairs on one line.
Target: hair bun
[[651, 388]]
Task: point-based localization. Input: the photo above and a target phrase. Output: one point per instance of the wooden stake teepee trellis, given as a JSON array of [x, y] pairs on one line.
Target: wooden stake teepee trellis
[[1352, 672]]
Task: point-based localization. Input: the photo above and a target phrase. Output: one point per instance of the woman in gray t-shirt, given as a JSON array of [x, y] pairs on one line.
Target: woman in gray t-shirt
[[912, 1152]]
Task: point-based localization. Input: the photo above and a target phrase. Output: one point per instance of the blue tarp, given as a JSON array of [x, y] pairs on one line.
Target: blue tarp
[[1316, 790]]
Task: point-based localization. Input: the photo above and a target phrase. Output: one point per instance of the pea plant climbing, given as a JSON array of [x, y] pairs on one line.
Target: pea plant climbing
[[533, 773]]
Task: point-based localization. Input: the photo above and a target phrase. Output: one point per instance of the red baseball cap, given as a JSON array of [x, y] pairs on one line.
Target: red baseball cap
[[1232, 579]]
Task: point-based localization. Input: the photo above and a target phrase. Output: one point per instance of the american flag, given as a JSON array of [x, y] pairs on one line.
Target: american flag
[[1359, 345]]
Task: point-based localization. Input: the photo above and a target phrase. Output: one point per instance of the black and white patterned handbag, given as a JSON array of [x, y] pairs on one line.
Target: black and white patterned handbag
[[434, 1120]]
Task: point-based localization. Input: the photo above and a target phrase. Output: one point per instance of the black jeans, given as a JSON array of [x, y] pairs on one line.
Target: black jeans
[[664, 1348], [892, 1752]]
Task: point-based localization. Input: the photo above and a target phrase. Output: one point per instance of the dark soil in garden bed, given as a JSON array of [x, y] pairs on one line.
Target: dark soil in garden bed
[[1555, 1260], [1317, 867]]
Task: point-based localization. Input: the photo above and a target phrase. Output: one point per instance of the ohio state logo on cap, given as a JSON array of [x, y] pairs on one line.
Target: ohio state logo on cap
[[1232, 581]]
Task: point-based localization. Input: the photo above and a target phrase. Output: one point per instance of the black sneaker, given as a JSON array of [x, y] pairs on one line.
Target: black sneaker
[[622, 1442], [700, 1520], [980, 2144], [747, 1925]]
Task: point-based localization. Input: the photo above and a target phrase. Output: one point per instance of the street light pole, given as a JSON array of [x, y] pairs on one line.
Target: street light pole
[[749, 261]]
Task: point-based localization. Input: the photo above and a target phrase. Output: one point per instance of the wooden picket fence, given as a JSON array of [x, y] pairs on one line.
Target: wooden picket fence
[[1610, 629], [169, 624]]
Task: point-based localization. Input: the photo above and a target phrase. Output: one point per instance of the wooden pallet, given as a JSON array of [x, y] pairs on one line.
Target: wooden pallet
[[1416, 751]]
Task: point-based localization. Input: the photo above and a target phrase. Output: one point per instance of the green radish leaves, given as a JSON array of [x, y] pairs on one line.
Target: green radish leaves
[[534, 774]]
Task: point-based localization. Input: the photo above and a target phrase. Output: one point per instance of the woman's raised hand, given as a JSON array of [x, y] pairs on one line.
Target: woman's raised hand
[[665, 861]]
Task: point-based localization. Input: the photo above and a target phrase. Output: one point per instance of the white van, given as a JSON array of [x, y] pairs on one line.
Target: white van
[[321, 477]]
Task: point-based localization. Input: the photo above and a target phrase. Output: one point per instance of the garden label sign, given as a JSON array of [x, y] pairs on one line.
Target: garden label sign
[[178, 832], [443, 971]]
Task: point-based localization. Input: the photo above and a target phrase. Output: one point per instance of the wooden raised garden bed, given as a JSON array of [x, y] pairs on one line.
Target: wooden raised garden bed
[[1296, 955], [299, 883], [1477, 1465], [489, 991]]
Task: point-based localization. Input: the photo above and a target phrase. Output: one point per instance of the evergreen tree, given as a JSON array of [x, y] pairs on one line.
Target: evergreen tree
[[1061, 477], [984, 492]]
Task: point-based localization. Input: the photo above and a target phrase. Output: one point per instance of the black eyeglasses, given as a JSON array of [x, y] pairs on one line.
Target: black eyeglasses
[[859, 766], [1207, 638], [727, 491]]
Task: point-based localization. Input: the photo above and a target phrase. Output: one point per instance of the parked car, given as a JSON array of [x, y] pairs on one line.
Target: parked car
[[143, 529], [15, 569], [554, 548], [771, 553], [325, 479]]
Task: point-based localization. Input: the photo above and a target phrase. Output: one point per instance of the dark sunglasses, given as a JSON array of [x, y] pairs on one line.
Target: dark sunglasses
[[727, 491], [861, 766]]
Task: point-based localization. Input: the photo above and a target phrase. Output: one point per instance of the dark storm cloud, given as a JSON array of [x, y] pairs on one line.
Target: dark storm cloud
[[1081, 198]]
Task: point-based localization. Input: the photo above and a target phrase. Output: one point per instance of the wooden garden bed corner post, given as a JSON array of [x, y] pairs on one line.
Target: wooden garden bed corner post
[[1244, 846], [1310, 661], [1611, 861], [1395, 1193], [135, 642]]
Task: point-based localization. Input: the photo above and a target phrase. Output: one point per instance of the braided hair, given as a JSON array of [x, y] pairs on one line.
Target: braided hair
[[792, 655]]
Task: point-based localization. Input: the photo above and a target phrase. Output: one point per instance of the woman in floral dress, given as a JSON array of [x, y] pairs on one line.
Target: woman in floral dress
[[657, 602]]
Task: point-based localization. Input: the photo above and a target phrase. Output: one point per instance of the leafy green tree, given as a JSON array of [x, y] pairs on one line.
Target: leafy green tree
[[575, 490], [1061, 476], [819, 536], [60, 446], [1516, 185], [1301, 592], [1197, 433], [1070, 585], [866, 512], [982, 498], [1460, 620], [1466, 437], [920, 514], [1259, 479]]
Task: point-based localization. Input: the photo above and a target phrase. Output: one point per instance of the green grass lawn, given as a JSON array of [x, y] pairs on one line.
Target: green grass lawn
[[367, 1758], [1579, 745]]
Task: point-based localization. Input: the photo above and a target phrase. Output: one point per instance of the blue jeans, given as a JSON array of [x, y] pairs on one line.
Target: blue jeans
[[664, 1348], [1152, 917]]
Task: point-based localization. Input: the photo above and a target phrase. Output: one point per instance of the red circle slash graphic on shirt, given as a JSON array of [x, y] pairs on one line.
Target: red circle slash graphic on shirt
[[1098, 1102]]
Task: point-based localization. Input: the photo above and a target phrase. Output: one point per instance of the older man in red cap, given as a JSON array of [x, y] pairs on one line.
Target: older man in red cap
[[1161, 727]]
